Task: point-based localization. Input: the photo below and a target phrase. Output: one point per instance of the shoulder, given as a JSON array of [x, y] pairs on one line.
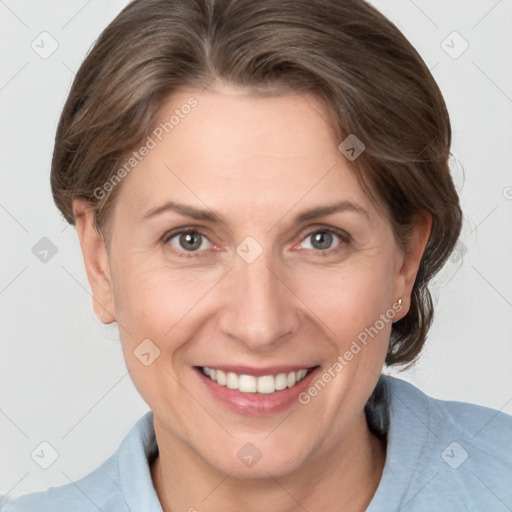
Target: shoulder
[[121, 481], [99, 490], [480, 427], [448, 453]]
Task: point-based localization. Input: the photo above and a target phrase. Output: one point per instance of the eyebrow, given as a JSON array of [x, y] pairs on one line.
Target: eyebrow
[[209, 215], [340, 206]]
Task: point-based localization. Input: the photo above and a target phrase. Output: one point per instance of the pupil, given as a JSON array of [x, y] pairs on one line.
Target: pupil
[[190, 241], [322, 240]]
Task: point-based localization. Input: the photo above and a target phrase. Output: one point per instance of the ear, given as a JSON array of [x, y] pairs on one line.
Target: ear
[[409, 261], [96, 261]]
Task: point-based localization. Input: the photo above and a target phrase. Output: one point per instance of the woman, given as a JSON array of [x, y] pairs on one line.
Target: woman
[[262, 195]]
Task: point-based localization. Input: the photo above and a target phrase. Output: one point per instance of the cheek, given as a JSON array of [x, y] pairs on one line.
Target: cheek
[[349, 298], [157, 306], [153, 301]]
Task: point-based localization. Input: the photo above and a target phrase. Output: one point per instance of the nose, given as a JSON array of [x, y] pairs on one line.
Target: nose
[[259, 309]]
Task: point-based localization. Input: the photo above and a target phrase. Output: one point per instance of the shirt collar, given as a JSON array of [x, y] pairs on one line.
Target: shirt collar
[[136, 452]]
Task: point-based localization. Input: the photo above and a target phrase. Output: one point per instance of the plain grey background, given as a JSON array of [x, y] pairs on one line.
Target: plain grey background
[[63, 378]]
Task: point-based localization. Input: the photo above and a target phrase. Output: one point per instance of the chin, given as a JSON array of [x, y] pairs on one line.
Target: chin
[[249, 462]]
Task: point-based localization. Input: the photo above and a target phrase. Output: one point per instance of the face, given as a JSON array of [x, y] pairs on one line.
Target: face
[[243, 244]]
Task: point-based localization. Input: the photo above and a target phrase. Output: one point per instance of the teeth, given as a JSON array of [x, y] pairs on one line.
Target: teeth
[[232, 382], [266, 384], [249, 384], [300, 374], [281, 381], [221, 377]]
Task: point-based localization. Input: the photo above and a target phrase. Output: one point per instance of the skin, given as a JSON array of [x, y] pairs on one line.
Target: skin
[[258, 162]]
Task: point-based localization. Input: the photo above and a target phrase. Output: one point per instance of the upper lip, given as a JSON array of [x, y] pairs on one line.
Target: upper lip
[[258, 372]]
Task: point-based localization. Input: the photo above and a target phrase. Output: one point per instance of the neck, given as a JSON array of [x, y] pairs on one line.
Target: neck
[[343, 477]]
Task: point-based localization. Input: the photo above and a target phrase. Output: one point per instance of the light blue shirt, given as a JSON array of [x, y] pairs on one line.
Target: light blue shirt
[[446, 456]]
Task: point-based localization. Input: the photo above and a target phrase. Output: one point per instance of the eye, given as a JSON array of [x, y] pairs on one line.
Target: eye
[[188, 241], [323, 240]]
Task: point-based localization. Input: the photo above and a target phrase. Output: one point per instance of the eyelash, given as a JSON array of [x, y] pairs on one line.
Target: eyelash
[[344, 237]]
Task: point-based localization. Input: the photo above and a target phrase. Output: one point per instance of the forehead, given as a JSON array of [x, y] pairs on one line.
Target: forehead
[[236, 126], [228, 148]]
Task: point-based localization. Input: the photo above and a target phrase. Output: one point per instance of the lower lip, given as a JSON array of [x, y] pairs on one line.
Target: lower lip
[[257, 404]]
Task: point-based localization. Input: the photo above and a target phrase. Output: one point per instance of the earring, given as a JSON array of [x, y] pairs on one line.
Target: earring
[[399, 302]]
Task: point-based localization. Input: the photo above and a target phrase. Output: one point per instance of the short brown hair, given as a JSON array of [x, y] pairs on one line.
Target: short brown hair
[[372, 80]]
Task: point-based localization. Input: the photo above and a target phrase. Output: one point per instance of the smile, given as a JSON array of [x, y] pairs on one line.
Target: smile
[[265, 384]]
